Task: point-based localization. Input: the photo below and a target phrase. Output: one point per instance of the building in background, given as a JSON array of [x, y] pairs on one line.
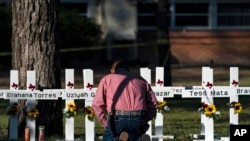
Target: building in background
[[118, 21], [200, 31], [210, 31]]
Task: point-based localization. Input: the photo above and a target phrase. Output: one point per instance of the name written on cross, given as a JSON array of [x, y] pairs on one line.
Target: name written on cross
[[49, 94]]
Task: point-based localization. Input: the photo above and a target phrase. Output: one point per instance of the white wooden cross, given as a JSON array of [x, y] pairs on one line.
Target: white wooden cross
[[234, 83], [87, 93], [13, 94], [161, 92], [31, 86], [233, 96], [31, 95], [13, 120], [69, 86], [207, 92], [88, 83], [207, 124], [69, 94]]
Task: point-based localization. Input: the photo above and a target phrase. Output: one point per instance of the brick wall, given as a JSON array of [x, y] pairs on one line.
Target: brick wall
[[205, 47]]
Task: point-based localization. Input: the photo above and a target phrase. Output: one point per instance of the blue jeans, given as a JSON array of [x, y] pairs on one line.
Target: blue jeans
[[135, 126]]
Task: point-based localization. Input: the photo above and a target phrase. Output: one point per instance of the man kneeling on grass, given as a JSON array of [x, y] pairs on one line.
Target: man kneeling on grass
[[129, 101]]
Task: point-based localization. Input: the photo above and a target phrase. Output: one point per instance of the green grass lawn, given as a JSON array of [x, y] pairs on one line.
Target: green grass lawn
[[182, 120]]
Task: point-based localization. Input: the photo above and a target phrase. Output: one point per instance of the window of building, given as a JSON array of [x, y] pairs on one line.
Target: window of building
[[212, 14], [233, 14], [191, 14], [146, 15]]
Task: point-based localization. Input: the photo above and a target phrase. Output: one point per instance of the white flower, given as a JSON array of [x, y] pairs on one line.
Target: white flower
[[166, 108]]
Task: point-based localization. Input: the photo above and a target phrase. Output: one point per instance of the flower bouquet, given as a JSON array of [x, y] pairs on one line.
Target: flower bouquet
[[31, 112], [70, 110], [209, 110], [12, 109], [162, 106], [89, 112], [236, 105]]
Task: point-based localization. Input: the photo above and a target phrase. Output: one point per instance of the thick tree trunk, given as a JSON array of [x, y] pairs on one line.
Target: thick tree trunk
[[34, 47]]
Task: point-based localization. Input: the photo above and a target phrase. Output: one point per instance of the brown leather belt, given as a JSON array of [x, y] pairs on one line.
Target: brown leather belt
[[128, 113]]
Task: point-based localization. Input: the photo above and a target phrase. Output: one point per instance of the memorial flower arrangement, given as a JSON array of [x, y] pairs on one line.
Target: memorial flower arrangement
[[89, 112], [12, 109], [162, 106], [70, 110], [209, 110], [31, 112], [236, 105]]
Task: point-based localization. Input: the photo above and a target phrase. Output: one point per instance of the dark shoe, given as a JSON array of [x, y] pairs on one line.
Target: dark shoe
[[123, 136], [145, 137]]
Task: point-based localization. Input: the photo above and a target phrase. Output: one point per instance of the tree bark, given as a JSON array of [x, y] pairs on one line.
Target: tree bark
[[35, 47]]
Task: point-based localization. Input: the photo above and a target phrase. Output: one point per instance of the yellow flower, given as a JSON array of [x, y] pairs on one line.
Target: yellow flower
[[162, 106], [71, 106], [210, 110], [33, 112], [89, 112], [238, 108], [236, 105], [70, 110]]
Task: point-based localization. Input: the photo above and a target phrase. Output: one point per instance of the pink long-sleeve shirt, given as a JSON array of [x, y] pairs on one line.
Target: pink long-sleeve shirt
[[123, 91]]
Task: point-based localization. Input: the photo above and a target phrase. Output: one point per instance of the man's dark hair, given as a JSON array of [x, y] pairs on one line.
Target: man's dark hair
[[120, 65]]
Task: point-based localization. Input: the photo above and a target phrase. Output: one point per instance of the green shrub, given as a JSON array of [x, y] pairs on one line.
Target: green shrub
[[76, 30]]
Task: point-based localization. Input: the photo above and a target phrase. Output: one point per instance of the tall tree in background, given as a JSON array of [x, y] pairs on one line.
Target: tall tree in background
[[35, 47]]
